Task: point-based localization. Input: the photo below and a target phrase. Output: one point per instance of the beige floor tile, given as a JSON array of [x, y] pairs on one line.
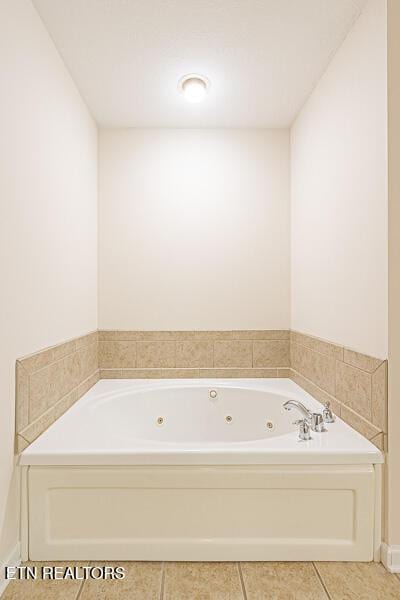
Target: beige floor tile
[[202, 581], [39, 589], [282, 581], [359, 581], [142, 582]]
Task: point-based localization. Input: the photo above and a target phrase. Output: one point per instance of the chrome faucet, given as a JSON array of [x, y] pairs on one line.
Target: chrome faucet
[[315, 420]]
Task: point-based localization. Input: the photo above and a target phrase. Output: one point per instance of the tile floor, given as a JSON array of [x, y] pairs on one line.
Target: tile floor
[[221, 581]]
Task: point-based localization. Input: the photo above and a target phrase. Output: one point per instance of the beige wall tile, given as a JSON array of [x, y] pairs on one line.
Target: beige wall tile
[[276, 334], [20, 443], [87, 384], [361, 361], [252, 334], [271, 353], [282, 580], [211, 581], [242, 334], [47, 418], [22, 396], [353, 388], [363, 581], [45, 389], [358, 423], [379, 397], [111, 373], [144, 336], [235, 353], [315, 391], [50, 381], [155, 355], [379, 441], [65, 403], [89, 359], [71, 372], [245, 334], [317, 345], [46, 357], [53, 381], [196, 353], [45, 394], [158, 373], [86, 340], [35, 428], [238, 373], [117, 355], [181, 373], [318, 368], [285, 373]]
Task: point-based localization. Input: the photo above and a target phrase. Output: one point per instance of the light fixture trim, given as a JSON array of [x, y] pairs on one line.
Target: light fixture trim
[[197, 79]]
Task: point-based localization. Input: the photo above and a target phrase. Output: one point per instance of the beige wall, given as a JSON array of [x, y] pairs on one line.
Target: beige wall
[[194, 229], [339, 195], [393, 490], [47, 217]]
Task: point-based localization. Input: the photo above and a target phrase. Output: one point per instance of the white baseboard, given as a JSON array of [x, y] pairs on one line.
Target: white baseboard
[[390, 557], [12, 560]]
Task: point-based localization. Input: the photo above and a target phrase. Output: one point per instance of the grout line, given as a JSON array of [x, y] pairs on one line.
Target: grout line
[[316, 386], [59, 360], [363, 370], [335, 380], [162, 581], [80, 589], [314, 350], [321, 580], [244, 593], [375, 436]]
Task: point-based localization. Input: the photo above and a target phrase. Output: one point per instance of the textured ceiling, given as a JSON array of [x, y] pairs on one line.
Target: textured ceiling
[[263, 57]]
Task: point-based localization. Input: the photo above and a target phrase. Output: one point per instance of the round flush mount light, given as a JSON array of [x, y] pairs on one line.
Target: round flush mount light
[[194, 87]]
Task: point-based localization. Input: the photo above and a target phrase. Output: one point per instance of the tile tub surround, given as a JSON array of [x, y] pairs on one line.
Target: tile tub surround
[[50, 381], [354, 383], [170, 354]]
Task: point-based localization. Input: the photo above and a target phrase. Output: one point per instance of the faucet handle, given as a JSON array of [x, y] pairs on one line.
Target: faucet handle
[[327, 413], [304, 429], [317, 423]]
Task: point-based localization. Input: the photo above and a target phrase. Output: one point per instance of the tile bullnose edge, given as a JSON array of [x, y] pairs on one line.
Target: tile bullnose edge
[[26, 436]]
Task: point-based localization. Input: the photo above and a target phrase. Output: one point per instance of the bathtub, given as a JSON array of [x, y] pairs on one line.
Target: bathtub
[[198, 470]]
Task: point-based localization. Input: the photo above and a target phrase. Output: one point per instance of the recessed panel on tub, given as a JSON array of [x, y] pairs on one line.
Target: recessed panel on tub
[[199, 513], [195, 513]]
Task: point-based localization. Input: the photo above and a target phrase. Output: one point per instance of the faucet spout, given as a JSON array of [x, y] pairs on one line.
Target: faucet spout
[[315, 419], [300, 407]]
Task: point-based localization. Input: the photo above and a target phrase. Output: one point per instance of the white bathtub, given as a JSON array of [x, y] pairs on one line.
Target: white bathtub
[[198, 470]]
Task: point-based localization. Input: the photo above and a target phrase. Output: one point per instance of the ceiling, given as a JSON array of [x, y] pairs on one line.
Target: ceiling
[[262, 57]]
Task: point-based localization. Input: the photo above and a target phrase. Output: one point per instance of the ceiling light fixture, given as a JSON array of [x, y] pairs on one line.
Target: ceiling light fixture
[[194, 87]]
